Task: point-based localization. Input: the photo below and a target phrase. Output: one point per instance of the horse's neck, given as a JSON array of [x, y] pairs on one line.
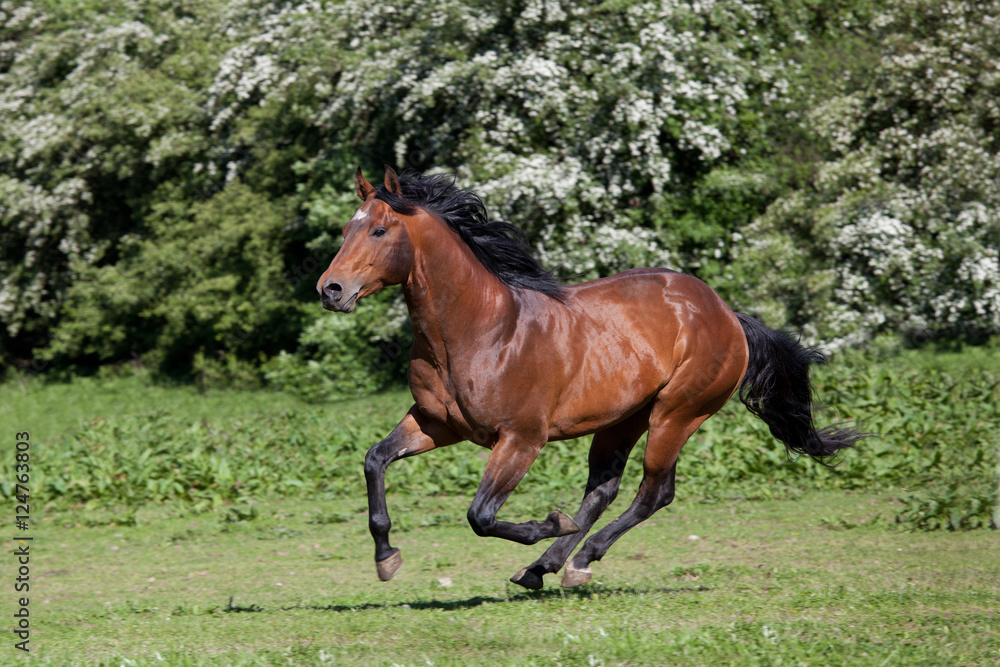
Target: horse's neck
[[451, 296]]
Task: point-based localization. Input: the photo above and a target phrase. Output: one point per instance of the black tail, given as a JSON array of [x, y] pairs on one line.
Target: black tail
[[776, 389]]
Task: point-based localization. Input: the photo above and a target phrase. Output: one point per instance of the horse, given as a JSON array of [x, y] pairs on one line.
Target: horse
[[508, 357]]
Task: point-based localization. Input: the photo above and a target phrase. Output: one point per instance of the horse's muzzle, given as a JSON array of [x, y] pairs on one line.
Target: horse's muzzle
[[332, 296]]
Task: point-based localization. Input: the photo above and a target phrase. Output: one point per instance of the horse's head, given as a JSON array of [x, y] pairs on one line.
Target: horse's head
[[376, 250]]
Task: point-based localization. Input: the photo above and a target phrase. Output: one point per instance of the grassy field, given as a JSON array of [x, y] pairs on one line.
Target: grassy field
[[772, 582], [174, 526]]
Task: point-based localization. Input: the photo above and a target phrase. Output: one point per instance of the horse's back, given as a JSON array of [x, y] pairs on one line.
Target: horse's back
[[636, 332], [658, 298]]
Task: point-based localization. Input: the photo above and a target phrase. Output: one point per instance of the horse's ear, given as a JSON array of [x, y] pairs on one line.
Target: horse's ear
[[364, 187], [392, 181]]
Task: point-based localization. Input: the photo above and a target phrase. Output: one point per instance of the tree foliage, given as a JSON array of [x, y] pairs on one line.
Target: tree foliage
[[174, 175], [900, 229]]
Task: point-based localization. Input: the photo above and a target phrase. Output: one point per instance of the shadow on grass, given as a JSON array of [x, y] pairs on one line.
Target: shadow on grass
[[583, 592], [241, 609]]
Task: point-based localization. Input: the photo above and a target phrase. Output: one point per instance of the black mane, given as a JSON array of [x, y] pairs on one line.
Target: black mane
[[498, 245]]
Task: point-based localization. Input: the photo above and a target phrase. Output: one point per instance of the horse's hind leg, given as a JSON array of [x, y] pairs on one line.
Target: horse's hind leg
[[656, 491], [694, 393], [608, 455], [509, 461]]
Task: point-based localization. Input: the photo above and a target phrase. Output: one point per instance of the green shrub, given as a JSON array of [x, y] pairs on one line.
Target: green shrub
[[225, 370], [208, 281], [952, 503], [343, 356]]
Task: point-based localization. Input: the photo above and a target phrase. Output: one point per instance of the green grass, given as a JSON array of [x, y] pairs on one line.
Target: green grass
[[816, 580], [56, 409]]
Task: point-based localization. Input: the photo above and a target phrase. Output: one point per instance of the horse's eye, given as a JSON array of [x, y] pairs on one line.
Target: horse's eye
[[379, 231]]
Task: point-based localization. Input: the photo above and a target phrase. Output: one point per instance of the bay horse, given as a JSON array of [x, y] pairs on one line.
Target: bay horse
[[507, 357]]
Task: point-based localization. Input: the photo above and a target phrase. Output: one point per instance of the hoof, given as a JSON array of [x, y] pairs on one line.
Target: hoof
[[528, 579], [575, 576], [564, 524], [388, 567]]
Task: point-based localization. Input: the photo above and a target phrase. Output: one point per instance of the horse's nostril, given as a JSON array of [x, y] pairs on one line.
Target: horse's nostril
[[334, 290]]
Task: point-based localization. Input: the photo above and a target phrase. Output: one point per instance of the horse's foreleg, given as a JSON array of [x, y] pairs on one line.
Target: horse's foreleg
[[509, 461], [608, 456], [415, 434]]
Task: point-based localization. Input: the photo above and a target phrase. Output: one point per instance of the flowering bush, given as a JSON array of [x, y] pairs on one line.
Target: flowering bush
[[900, 230], [591, 127], [126, 230], [88, 108], [175, 174]]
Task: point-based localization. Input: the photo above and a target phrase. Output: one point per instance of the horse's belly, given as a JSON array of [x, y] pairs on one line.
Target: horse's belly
[[606, 391]]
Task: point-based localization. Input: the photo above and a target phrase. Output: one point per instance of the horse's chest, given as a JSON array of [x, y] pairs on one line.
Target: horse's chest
[[428, 390], [439, 396]]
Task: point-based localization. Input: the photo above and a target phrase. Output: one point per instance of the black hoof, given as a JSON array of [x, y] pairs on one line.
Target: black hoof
[[528, 578]]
